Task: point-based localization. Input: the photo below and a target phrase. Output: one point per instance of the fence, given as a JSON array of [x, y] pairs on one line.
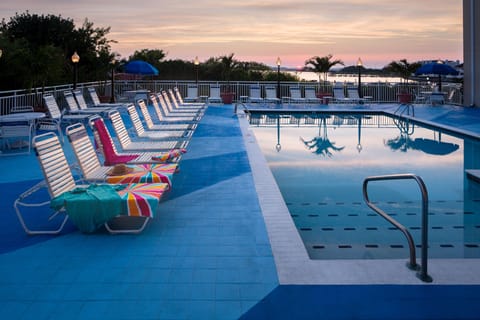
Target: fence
[[381, 92]]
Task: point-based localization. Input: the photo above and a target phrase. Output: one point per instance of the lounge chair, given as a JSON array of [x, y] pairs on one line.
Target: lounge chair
[[96, 101], [82, 104], [67, 197], [311, 96], [73, 107], [339, 95], [184, 106], [92, 170], [296, 95], [161, 134], [180, 100], [128, 145], [214, 94], [175, 111], [271, 95], [255, 94], [163, 124], [178, 116], [57, 118], [111, 156], [160, 108], [192, 93], [355, 97]]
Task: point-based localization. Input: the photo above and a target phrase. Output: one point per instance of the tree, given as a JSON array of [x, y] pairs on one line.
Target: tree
[[402, 68], [321, 65], [154, 57], [38, 49]]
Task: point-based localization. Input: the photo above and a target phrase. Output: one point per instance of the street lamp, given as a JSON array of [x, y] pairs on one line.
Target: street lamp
[[359, 65], [279, 62], [196, 62], [112, 84], [75, 60], [278, 147], [1, 52]]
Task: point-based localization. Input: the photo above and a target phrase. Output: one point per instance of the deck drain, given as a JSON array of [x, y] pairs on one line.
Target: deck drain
[[392, 202], [339, 203], [449, 213], [322, 203], [471, 245], [458, 227], [437, 228], [294, 215], [357, 203], [305, 203], [353, 214], [411, 214], [333, 215], [415, 228]]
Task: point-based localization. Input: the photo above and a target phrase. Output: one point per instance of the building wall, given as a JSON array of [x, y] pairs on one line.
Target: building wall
[[471, 52]]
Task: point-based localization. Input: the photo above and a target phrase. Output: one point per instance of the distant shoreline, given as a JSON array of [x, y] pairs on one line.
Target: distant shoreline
[[339, 77]]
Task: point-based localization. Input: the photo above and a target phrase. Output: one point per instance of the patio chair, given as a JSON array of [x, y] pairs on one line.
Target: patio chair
[[92, 170], [160, 108], [163, 124], [182, 112], [255, 94], [296, 95], [214, 94], [192, 93], [16, 138], [111, 156], [180, 100], [271, 94], [128, 145], [184, 106], [311, 96], [105, 202], [161, 134]]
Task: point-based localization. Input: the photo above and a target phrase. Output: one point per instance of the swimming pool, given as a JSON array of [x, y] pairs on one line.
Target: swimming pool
[[320, 161]]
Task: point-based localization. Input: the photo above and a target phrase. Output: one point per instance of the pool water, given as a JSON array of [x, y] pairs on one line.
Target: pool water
[[320, 162]]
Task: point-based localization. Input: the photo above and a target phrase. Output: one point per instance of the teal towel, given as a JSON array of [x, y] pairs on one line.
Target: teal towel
[[89, 208]]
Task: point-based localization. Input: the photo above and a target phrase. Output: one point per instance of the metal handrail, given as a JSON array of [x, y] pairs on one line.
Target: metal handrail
[[422, 274]]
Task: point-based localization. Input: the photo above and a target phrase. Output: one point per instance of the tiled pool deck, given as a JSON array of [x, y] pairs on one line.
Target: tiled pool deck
[[221, 247]]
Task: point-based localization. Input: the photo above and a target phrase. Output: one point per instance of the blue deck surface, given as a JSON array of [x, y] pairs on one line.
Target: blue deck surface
[[206, 255]]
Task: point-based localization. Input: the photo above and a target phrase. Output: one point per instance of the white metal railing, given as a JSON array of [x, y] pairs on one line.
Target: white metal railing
[[381, 92]]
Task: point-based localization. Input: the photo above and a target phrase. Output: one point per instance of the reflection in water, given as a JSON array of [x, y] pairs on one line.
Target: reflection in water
[[320, 144], [430, 146]]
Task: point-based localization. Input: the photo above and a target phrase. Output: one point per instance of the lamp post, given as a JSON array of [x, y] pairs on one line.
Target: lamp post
[[359, 65], [75, 60], [278, 146], [279, 62], [112, 84], [196, 62]]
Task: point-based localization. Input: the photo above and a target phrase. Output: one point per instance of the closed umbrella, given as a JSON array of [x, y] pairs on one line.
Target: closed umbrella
[[140, 67], [436, 69]]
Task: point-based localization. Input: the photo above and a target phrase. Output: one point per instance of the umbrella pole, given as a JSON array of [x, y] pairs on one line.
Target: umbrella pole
[[439, 83]]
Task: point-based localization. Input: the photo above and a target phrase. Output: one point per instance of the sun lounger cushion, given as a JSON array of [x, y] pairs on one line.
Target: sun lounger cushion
[[175, 153]]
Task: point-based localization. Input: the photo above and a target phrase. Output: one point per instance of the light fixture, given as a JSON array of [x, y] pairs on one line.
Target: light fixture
[[196, 61], [75, 60], [279, 62], [75, 57], [359, 63], [1, 52]]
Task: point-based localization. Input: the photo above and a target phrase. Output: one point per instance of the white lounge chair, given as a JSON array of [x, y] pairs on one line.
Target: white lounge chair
[[271, 95], [214, 94], [255, 94]]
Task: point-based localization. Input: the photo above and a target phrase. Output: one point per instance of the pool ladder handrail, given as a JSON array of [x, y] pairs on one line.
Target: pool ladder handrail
[[405, 108], [412, 264]]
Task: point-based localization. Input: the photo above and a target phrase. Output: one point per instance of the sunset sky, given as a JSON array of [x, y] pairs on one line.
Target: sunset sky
[[378, 31]]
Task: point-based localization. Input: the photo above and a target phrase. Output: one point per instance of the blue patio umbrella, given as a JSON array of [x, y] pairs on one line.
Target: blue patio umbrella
[[436, 69], [140, 67]]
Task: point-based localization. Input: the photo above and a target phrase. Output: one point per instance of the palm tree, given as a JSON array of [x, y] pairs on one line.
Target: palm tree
[[402, 68], [321, 65]]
